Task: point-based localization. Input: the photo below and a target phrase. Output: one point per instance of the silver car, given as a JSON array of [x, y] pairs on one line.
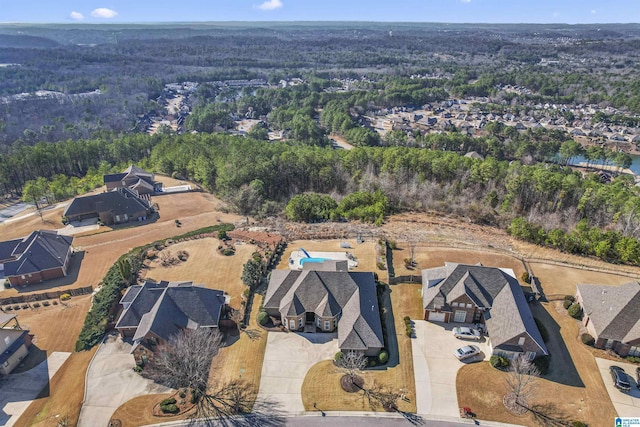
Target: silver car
[[462, 332], [467, 351]]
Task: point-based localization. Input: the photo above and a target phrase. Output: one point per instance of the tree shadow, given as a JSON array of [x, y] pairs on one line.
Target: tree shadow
[[561, 367], [392, 337], [390, 269], [548, 414], [265, 413], [414, 419]]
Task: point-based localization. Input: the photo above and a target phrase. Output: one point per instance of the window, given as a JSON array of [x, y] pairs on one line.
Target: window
[[300, 322], [634, 351], [531, 355], [455, 304], [319, 322], [292, 324], [326, 325], [469, 306], [521, 341], [608, 344]]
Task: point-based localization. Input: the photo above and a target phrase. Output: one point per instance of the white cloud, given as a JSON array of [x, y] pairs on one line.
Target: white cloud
[[103, 12], [76, 16], [593, 11], [271, 5]]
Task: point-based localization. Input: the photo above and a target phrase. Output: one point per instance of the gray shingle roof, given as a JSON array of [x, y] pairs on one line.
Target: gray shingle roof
[[507, 313], [41, 250], [165, 308], [7, 249], [119, 201], [328, 294], [614, 311]]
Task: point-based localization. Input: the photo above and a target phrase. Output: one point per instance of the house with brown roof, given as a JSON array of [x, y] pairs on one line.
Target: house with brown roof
[[477, 294], [153, 312], [134, 178], [325, 297], [611, 315], [43, 255]]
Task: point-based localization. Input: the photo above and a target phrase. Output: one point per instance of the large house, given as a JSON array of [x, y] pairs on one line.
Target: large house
[[14, 343], [43, 255], [611, 315], [153, 312], [113, 207], [477, 294], [134, 178], [314, 300]]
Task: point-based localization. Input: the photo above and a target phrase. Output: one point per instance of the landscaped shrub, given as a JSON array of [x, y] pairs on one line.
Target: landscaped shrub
[[182, 394], [383, 357], [222, 235], [569, 298], [65, 297], [575, 311], [632, 359], [498, 362], [542, 363], [25, 306], [36, 304], [373, 362], [228, 252], [567, 303], [8, 308], [380, 265], [46, 303], [168, 401], [263, 318], [169, 409], [137, 368], [54, 302], [338, 356], [525, 277], [587, 339], [16, 307], [578, 424], [408, 330], [393, 245], [542, 329]]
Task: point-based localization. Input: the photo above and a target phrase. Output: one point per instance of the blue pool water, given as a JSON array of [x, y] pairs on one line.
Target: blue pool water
[[303, 260]]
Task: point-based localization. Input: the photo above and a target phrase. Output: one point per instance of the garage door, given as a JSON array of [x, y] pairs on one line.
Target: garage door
[[436, 317], [460, 316]]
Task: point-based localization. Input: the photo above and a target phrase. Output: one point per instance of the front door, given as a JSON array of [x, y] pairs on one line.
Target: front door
[[460, 316]]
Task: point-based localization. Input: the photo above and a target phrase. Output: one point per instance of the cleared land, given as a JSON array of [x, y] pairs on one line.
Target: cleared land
[[205, 266], [322, 383]]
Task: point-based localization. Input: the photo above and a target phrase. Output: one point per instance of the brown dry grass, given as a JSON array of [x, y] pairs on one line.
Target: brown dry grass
[[322, 383], [428, 257], [64, 395], [205, 265], [240, 360], [365, 252], [556, 279]]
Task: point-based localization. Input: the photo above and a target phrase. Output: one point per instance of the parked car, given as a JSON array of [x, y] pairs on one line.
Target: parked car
[[638, 377], [467, 351], [462, 332], [619, 377]]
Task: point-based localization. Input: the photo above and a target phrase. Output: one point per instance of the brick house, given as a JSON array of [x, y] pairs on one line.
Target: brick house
[[611, 315], [477, 294]]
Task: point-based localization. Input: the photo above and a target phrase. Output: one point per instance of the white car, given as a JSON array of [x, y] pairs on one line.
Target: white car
[[466, 352], [462, 332]]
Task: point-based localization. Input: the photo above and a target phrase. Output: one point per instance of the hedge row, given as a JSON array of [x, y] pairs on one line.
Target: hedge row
[[95, 324]]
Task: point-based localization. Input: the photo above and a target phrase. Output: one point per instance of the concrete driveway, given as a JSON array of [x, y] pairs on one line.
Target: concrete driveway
[[17, 391], [626, 404], [111, 382], [287, 360], [435, 367]]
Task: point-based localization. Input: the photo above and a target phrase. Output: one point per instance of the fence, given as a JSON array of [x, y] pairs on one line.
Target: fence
[[19, 299], [405, 279]]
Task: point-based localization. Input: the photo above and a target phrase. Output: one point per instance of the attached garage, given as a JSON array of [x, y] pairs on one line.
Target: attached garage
[[436, 317]]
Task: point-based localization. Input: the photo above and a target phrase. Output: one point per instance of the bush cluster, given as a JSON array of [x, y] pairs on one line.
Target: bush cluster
[[408, 327], [525, 277], [587, 339], [383, 357], [65, 297], [338, 356], [633, 359], [498, 362], [169, 409], [263, 318], [566, 304], [575, 311]]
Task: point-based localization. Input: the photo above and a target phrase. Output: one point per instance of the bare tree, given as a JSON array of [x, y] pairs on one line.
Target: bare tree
[[185, 360], [379, 395], [350, 363], [521, 385]]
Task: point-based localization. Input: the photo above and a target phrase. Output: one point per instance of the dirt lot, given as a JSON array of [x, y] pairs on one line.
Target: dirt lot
[[365, 252], [205, 266], [322, 383]]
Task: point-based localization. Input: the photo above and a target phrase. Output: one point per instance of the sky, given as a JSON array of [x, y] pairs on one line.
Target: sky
[[471, 11]]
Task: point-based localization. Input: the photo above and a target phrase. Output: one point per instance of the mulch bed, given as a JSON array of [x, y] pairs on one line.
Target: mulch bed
[[351, 386]]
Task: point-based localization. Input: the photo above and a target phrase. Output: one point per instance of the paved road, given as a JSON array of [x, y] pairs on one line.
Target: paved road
[[111, 381]]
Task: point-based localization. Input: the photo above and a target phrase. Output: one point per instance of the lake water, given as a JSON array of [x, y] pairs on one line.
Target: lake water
[[635, 164]]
